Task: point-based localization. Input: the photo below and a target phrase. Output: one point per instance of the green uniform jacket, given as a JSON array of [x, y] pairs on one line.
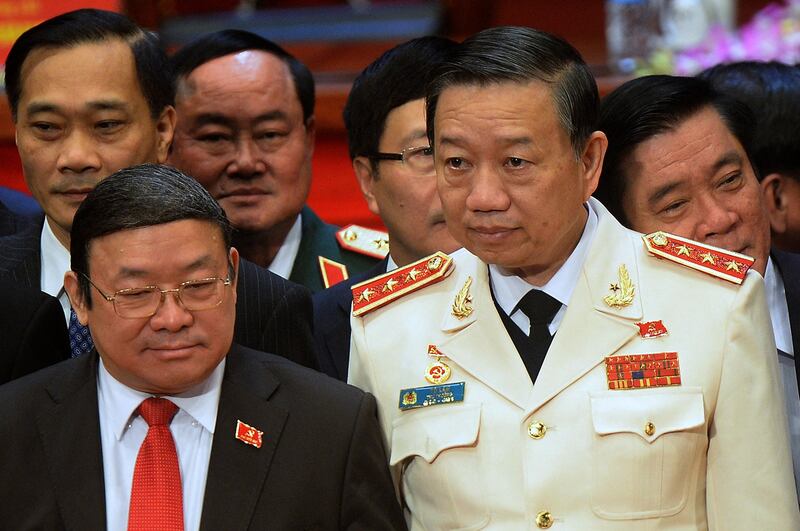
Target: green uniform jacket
[[319, 239]]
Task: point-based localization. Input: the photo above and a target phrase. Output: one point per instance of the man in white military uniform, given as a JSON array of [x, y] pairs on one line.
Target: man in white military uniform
[[656, 406]]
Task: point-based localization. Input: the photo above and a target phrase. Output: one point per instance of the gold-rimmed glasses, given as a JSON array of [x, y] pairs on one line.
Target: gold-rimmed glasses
[[193, 295]]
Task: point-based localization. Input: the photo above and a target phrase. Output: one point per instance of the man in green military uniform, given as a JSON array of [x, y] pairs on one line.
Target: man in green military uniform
[[246, 132]]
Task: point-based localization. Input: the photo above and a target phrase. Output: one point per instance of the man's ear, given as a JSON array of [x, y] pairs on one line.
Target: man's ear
[[233, 258], [773, 187], [165, 130], [76, 298], [592, 161], [366, 177]]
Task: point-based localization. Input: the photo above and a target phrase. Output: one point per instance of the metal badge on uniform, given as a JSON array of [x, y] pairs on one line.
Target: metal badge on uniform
[[637, 371], [248, 434], [438, 371], [431, 395], [652, 329]]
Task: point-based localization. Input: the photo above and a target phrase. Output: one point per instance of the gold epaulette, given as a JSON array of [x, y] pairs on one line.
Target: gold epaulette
[[361, 240], [382, 290], [714, 261]]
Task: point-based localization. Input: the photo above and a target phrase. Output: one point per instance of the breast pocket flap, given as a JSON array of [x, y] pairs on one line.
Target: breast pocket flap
[[428, 432], [647, 414]]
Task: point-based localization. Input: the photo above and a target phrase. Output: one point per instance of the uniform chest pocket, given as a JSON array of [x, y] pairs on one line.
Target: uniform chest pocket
[[646, 451], [436, 449]]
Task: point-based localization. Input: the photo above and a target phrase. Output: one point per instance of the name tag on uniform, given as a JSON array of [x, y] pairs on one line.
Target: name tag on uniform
[[431, 395]]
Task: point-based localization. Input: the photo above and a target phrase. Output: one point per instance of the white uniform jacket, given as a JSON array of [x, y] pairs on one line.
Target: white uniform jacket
[[710, 453]]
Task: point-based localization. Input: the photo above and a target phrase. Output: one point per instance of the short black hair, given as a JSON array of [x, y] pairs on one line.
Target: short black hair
[[139, 196], [647, 106], [520, 55], [85, 26], [231, 41], [400, 75], [772, 91]]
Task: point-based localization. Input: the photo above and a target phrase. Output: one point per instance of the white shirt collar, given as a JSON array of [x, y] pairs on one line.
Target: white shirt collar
[[391, 265], [55, 262], [508, 289], [778, 309], [283, 262], [199, 402]]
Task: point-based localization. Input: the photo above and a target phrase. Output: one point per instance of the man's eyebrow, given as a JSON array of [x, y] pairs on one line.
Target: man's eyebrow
[[212, 118], [108, 105], [97, 105], [270, 116], [662, 191], [728, 158]]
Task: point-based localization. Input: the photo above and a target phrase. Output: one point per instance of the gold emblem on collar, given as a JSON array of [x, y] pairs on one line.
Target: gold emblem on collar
[[621, 292], [462, 304]]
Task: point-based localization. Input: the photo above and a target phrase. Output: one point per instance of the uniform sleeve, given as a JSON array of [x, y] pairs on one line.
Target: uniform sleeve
[[369, 501], [750, 483]]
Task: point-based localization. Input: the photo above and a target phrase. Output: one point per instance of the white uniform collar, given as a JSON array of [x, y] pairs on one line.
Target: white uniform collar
[[283, 262]]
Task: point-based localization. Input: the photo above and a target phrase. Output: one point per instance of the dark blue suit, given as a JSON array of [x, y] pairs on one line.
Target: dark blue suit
[[332, 322], [272, 314]]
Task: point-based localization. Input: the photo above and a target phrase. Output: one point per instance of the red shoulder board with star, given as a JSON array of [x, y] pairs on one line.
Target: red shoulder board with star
[[361, 240], [382, 290], [720, 263]]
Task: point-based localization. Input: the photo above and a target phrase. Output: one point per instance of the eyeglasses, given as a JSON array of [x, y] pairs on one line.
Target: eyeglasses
[[418, 159], [193, 295]]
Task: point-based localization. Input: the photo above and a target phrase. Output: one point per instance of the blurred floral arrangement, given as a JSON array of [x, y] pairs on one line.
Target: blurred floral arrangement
[[772, 34]]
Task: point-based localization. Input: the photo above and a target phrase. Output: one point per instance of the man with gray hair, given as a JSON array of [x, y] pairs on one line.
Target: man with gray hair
[[554, 372]]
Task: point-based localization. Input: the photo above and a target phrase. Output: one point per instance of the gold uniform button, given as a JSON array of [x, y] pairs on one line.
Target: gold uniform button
[[544, 520], [649, 429], [537, 430]]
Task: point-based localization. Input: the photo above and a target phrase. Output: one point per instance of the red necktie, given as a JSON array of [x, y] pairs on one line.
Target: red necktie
[[156, 495]]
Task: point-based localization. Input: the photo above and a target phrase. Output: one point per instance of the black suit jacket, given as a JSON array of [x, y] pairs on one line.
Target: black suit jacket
[[272, 314], [788, 265], [321, 466], [33, 334], [332, 323]]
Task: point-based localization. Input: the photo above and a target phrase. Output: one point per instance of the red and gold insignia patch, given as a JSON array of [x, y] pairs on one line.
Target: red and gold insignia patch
[[720, 263], [637, 371], [652, 329], [381, 290], [361, 240], [332, 271], [248, 434]]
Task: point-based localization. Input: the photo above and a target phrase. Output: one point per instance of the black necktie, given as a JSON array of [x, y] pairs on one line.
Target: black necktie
[[540, 309]]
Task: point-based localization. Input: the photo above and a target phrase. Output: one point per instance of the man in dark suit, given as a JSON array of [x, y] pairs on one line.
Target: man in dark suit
[[245, 131], [392, 160], [32, 331], [680, 159], [90, 93], [251, 441]]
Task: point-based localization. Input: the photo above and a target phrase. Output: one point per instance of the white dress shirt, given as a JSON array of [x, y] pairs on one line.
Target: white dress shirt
[[508, 288], [122, 433], [55, 262], [283, 262], [779, 314]]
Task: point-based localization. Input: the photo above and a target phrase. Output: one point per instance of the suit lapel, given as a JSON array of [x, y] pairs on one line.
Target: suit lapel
[[788, 265], [237, 471], [574, 352], [21, 258], [479, 343], [70, 433]]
